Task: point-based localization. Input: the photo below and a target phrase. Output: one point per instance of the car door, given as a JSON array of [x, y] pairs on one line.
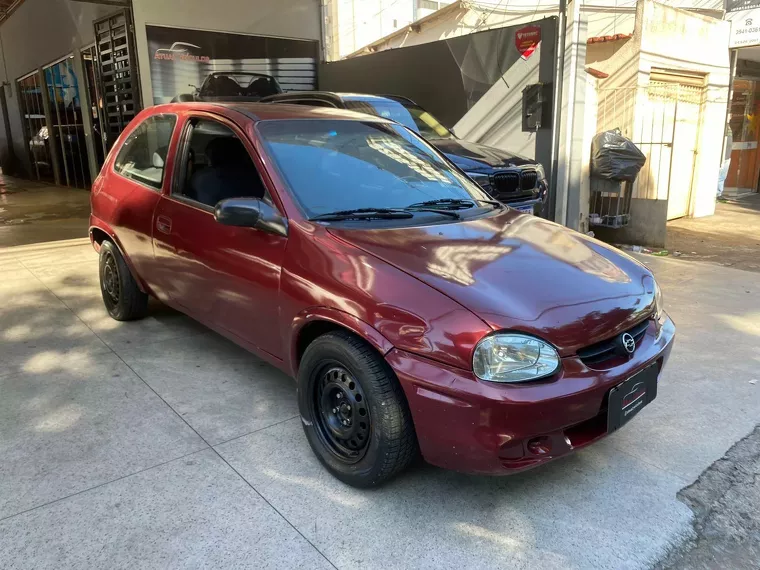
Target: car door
[[227, 277], [134, 185]]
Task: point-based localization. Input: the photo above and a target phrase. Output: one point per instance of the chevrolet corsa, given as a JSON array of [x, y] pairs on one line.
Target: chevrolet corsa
[[417, 315]]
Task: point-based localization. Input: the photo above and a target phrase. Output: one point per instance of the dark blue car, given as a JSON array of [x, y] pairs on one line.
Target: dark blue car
[[514, 180]]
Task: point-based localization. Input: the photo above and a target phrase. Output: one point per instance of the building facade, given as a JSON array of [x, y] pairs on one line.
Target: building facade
[[76, 73], [352, 24]]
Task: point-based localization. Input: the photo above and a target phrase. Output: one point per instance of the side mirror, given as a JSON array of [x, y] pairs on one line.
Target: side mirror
[[250, 213]]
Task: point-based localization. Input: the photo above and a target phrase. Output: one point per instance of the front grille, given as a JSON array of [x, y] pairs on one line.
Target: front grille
[[506, 182], [606, 349], [528, 179], [513, 184]]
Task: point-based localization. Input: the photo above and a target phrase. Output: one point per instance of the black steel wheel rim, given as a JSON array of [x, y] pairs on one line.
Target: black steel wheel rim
[[341, 414], [110, 279]]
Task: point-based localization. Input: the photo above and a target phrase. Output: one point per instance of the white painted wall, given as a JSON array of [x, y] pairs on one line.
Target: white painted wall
[[694, 50], [678, 41], [299, 19]]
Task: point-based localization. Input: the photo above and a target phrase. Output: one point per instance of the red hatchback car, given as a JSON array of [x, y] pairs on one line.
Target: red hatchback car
[[417, 315]]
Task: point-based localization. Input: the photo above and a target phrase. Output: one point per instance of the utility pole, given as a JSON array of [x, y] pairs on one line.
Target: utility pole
[[571, 95]]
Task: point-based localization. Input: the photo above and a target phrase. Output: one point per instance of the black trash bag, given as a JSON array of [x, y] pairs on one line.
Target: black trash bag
[[614, 157]]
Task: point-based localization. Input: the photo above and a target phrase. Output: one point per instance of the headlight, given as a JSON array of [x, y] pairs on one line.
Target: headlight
[[483, 180], [541, 172], [659, 307], [514, 358]]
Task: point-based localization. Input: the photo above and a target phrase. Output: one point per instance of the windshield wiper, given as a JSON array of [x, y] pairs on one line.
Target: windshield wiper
[[364, 214], [383, 213], [454, 203], [422, 208]]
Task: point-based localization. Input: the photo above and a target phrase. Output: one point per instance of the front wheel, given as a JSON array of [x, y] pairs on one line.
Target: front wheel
[[353, 411], [121, 295]]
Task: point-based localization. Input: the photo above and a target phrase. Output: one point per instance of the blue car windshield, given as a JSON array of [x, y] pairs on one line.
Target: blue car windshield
[[404, 112], [332, 165]]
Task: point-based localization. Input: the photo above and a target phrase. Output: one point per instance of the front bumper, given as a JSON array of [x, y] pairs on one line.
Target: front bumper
[[465, 424]]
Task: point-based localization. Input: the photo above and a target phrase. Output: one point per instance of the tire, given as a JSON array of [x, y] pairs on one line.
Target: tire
[[379, 441], [122, 297]]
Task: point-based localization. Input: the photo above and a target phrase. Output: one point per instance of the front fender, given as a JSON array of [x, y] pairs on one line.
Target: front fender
[[337, 317]]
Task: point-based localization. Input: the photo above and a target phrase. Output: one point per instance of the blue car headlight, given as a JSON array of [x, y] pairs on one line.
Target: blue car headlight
[[482, 180]]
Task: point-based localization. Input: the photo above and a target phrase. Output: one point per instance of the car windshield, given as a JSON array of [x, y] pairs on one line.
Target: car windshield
[[404, 112], [336, 165]]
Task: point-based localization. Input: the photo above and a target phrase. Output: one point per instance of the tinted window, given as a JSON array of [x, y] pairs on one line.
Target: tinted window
[[217, 166], [408, 114], [339, 165], [143, 154]]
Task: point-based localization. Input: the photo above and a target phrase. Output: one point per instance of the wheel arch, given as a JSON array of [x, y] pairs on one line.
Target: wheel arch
[[99, 233], [317, 321]]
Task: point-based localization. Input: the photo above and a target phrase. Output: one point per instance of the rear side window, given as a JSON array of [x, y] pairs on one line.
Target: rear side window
[[143, 155]]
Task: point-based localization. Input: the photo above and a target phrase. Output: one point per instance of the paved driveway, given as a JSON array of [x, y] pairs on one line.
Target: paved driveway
[[160, 444]]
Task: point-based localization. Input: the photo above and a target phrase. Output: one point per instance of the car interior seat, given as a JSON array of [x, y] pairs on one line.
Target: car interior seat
[[261, 87], [221, 86], [230, 173]]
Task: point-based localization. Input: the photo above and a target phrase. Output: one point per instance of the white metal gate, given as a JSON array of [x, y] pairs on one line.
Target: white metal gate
[[663, 120]]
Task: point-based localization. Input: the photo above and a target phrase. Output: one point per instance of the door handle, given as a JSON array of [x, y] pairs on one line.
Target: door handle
[[164, 224]]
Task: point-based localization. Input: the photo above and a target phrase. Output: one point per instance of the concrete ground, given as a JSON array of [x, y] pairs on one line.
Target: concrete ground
[[158, 443], [33, 212], [730, 238]]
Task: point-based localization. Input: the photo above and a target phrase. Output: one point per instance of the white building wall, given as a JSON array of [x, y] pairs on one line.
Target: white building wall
[[352, 24], [605, 17], [299, 19]]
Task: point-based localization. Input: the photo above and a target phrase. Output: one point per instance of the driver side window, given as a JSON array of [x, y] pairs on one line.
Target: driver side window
[[216, 166]]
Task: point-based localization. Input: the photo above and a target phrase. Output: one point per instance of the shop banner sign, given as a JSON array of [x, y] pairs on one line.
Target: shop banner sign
[[744, 16], [527, 40], [197, 65]]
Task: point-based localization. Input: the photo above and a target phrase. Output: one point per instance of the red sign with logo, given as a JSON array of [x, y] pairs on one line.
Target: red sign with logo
[[527, 40]]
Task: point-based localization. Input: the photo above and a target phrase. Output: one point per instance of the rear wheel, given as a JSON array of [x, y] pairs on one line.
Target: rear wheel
[[121, 295], [356, 417]]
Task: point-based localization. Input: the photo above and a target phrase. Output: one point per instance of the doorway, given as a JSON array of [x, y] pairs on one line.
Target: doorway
[[744, 112], [66, 124], [95, 99], [685, 94], [36, 134]]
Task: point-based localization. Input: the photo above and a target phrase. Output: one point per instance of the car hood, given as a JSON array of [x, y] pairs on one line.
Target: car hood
[[520, 272], [477, 157]]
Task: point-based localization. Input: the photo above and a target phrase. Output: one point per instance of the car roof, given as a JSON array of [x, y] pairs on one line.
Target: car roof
[[268, 112]]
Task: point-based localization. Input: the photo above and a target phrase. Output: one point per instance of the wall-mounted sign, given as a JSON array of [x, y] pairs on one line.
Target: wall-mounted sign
[[744, 16], [196, 65], [527, 40]]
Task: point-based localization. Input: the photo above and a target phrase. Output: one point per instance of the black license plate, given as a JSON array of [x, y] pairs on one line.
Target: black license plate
[[629, 398]]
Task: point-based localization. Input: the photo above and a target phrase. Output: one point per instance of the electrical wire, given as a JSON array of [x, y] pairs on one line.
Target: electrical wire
[[485, 18]]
